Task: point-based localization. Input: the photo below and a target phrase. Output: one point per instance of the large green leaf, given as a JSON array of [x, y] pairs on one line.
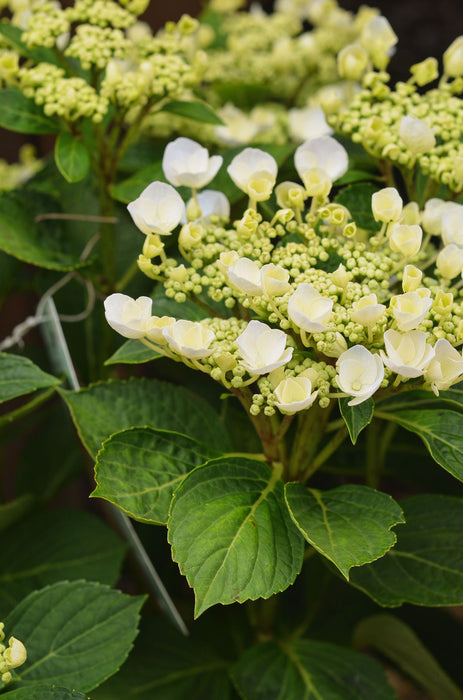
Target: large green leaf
[[138, 470], [167, 666], [72, 157], [350, 525], [395, 640], [306, 670], [132, 352], [357, 198], [441, 431], [19, 376], [420, 398], [15, 510], [110, 407], [53, 545], [426, 565], [19, 113], [44, 243], [197, 111], [232, 534], [40, 691], [356, 417], [13, 35], [77, 633]]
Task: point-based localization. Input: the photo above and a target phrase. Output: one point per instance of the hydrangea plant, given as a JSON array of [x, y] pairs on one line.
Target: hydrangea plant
[[275, 232]]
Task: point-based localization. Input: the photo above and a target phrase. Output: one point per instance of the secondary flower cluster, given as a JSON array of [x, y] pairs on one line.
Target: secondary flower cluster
[[321, 309], [11, 656], [406, 125]]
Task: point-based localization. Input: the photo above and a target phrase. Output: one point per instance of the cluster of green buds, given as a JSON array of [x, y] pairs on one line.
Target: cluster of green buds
[[408, 126], [93, 55], [12, 656], [311, 306]]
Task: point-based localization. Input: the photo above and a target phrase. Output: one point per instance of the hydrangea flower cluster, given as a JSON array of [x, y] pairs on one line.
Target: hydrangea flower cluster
[[311, 306]]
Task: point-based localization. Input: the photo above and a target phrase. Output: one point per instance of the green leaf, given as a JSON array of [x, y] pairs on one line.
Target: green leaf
[[44, 243], [395, 640], [138, 470], [441, 431], [19, 376], [426, 565], [71, 157], [231, 532], [198, 111], [19, 113], [13, 35], [44, 548], [129, 189], [350, 525], [40, 691], [167, 666], [163, 306], [132, 352], [420, 398], [15, 510], [77, 633], [310, 671], [357, 176], [110, 407], [356, 417], [357, 198]]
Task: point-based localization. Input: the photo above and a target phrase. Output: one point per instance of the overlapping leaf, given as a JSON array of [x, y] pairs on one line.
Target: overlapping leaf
[[19, 376]]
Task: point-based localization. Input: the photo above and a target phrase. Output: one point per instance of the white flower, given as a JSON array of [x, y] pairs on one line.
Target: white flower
[[317, 183], [386, 205], [158, 209], [308, 123], [294, 394], [445, 368], [190, 235], [379, 39], [290, 195], [406, 239], [254, 171], [274, 280], [128, 316], [211, 203], [408, 354], [453, 58], [244, 274], [16, 653], [360, 373], [189, 338], [431, 217], [238, 128], [154, 328], [410, 214], [410, 309], [449, 262], [417, 136], [411, 278], [367, 311], [352, 61], [226, 259], [187, 163], [263, 348], [324, 152], [452, 224], [337, 348], [309, 309]]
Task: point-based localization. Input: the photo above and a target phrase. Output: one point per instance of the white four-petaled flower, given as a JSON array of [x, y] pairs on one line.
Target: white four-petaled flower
[[294, 394], [262, 348], [189, 338], [360, 373], [186, 162], [158, 209], [309, 309], [128, 316]]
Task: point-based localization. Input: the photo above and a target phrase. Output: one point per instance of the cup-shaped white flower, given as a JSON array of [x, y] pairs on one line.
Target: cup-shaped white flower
[[317, 183], [367, 311], [411, 279], [262, 348], [155, 326], [211, 203], [406, 239], [226, 259], [410, 309], [190, 236], [158, 209], [294, 394], [352, 61], [337, 347], [431, 217], [410, 214], [244, 275], [309, 309], [417, 136], [445, 368], [189, 338], [290, 195], [186, 162], [379, 39], [128, 316], [360, 373], [386, 205], [324, 152], [450, 261], [254, 171], [308, 123], [407, 354], [238, 127], [452, 224], [274, 280]]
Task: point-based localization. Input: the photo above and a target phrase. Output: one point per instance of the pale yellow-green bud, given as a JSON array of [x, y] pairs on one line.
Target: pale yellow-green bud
[[453, 58], [190, 236], [2, 633], [449, 262], [386, 205], [284, 215], [247, 226], [340, 277], [193, 210], [16, 653], [178, 274], [411, 279], [425, 72], [6, 677], [350, 230], [146, 266], [187, 25], [290, 194], [417, 136], [226, 361], [153, 246], [410, 214], [317, 183], [443, 302], [352, 61]]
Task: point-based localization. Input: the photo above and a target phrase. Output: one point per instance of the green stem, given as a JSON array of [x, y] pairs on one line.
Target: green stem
[[27, 408], [325, 453], [373, 465], [311, 429]]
